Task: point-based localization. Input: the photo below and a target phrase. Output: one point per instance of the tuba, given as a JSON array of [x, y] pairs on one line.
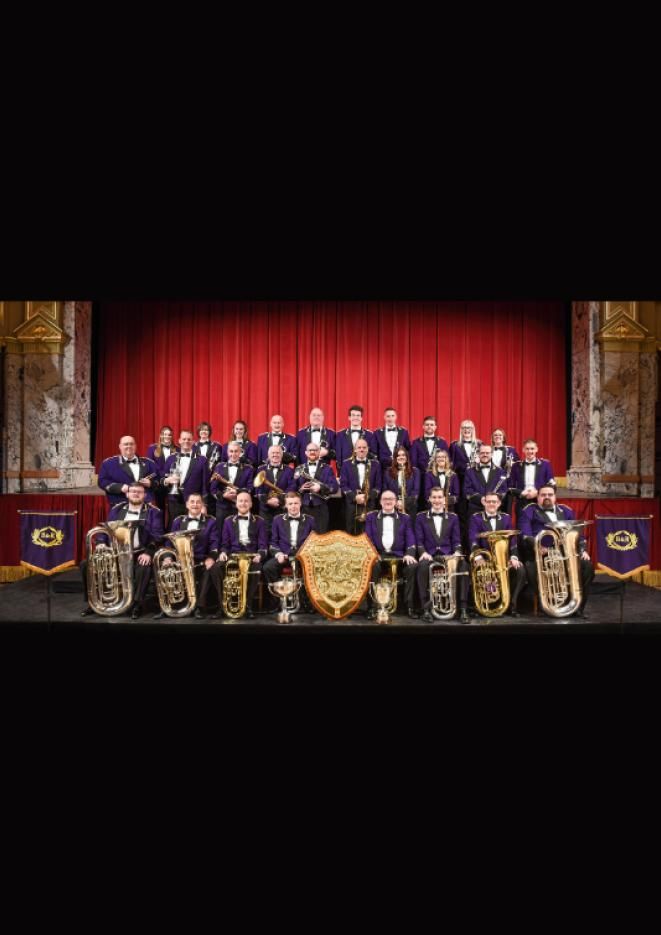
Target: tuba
[[175, 583], [235, 584], [491, 583], [110, 568], [558, 572], [443, 586]]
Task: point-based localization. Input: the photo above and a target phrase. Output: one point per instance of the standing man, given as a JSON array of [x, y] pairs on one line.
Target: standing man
[[184, 473], [212, 452], [121, 470], [271, 503], [390, 437], [358, 475], [317, 432], [529, 475], [244, 532], [277, 436], [315, 482], [392, 535], [491, 520], [345, 441], [483, 479], [236, 477], [437, 533], [424, 448]]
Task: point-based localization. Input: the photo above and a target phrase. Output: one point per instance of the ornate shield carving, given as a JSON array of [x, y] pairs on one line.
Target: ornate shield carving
[[337, 569]]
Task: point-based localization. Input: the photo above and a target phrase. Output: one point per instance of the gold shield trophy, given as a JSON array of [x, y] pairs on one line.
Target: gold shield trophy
[[382, 594], [287, 590]]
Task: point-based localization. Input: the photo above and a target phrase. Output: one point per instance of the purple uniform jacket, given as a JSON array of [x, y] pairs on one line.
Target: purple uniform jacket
[[150, 524], [543, 474], [412, 484], [383, 452], [214, 453], [419, 453], [427, 540], [325, 477], [533, 519], [280, 538], [243, 480], [475, 486], [451, 487], [459, 458], [249, 452], [508, 452], [344, 444], [115, 472], [349, 478], [285, 481], [479, 523], [159, 460], [257, 531], [206, 543], [404, 541], [327, 441], [288, 442], [197, 478]]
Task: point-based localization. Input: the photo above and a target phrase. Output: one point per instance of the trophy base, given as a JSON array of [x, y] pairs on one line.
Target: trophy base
[[382, 616], [284, 617]]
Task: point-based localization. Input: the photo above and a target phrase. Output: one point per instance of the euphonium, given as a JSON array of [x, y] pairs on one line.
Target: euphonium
[[175, 582], [235, 584], [491, 583], [558, 572], [443, 586], [110, 569], [262, 479]]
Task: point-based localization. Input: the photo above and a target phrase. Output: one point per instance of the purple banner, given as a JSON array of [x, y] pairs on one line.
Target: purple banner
[[48, 541], [623, 544]]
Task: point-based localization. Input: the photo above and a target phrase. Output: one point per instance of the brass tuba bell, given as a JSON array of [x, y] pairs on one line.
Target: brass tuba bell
[[490, 578], [175, 582], [558, 572], [110, 568]]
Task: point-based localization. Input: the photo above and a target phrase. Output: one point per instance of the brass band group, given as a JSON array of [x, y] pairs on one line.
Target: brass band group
[[465, 526]]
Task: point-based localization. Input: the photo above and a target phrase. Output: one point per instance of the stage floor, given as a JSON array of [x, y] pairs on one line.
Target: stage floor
[[56, 604]]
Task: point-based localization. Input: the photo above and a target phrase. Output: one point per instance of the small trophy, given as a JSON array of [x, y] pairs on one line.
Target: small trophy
[[382, 592], [175, 487], [285, 589]]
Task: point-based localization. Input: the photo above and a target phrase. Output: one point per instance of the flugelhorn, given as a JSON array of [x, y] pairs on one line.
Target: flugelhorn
[[224, 480], [308, 478], [262, 479]]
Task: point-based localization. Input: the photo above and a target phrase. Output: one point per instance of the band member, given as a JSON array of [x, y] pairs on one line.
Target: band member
[[317, 432], [288, 533], [206, 546], [244, 532], [491, 519], [147, 537], [358, 474], [248, 448], [483, 479], [441, 475], [277, 436], [390, 437], [120, 470], [270, 503], [503, 456], [229, 478], [161, 450], [184, 473], [315, 482], [532, 520], [391, 533], [399, 474], [424, 448], [346, 440], [463, 451], [437, 533], [212, 451], [529, 474]]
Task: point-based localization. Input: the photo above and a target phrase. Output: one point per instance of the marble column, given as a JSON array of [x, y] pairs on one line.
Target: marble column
[[586, 415]]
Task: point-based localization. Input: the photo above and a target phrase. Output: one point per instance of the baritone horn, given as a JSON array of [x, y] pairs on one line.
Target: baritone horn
[[443, 586], [175, 582], [235, 584], [110, 568], [558, 572], [490, 578]]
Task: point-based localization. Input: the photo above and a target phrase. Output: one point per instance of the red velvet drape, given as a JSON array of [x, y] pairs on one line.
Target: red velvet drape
[[501, 364]]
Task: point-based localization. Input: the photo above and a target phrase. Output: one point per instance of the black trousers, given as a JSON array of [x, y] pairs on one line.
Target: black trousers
[[176, 507], [462, 584], [586, 571], [350, 524], [381, 569], [319, 513]]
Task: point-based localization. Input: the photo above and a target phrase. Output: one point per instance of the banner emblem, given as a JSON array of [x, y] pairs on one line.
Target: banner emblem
[[47, 537], [622, 540]]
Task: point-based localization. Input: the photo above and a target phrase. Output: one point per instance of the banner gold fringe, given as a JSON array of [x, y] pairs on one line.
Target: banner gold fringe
[[652, 579], [10, 573], [561, 481]]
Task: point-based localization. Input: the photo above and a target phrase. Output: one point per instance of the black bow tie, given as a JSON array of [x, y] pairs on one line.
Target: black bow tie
[[184, 455], [244, 518], [437, 514], [132, 461], [388, 514], [391, 430], [193, 519], [361, 462]]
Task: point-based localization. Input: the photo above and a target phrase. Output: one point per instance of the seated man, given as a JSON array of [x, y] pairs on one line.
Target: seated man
[[229, 478], [184, 473], [437, 533], [359, 474], [391, 533], [244, 532], [346, 440], [117, 472], [490, 520], [532, 520], [315, 482], [288, 533], [528, 476], [277, 436], [205, 551], [147, 537], [282, 477]]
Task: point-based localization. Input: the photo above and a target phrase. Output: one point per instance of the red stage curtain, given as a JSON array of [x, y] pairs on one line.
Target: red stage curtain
[[91, 510], [501, 364]]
